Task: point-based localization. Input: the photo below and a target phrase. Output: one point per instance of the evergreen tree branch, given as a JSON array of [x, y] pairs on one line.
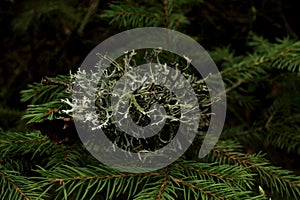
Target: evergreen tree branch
[[275, 178], [15, 186], [16, 144], [163, 185], [49, 81]]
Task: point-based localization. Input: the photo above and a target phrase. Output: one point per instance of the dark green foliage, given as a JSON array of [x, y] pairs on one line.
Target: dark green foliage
[[37, 14], [256, 157], [235, 169], [50, 91], [151, 13]]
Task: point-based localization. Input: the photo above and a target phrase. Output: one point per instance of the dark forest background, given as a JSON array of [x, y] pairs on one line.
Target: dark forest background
[[254, 43], [47, 38]]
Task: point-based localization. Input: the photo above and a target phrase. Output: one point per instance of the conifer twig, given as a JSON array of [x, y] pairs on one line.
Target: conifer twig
[[49, 81], [93, 5]]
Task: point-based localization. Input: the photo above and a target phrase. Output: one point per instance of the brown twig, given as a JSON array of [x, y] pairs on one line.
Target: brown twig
[[193, 187], [15, 185], [166, 11], [285, 21], [163, 185], [49, 81], [61, 180], [93, 5], [206, 173]]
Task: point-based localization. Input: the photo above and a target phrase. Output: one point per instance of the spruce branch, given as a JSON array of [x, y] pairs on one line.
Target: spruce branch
[[16, 186], [274, 178], [282, 56], [49, 81], [163, 185], [135, 15], [15, 144]]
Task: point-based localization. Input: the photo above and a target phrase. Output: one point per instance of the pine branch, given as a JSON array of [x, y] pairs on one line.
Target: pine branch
[[16, 144], [133, 16], [15, 186], [47, 111], [274, 178], [284, 55], [75, 155], [90, 181], [49, 81], [157, 14], [47, 90], [70, 172]]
